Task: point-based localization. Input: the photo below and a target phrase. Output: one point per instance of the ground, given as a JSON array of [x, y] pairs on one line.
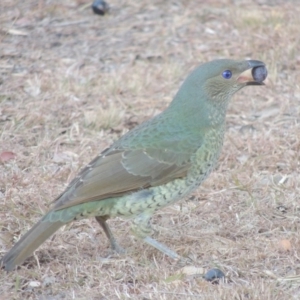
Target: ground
[[72, 82]]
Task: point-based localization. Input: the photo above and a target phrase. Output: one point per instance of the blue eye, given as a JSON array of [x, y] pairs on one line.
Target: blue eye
[[227, 74]]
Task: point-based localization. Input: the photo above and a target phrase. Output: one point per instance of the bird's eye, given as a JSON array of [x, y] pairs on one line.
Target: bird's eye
[[227, 74]]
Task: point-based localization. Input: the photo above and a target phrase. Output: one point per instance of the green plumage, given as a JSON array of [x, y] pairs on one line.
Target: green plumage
[[153, 165]]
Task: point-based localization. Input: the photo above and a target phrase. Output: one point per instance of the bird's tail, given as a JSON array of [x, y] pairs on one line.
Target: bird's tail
[[29, 243]]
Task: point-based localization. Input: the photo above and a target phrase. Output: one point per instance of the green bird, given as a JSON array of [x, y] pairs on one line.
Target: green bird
[[154, 165]]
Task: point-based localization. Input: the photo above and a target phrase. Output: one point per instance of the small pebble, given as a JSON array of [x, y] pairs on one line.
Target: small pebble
[[100, 7], [259, 73], [213, 275]]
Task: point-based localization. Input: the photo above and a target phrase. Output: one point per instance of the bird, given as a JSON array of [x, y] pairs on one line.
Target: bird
[[153, 165]]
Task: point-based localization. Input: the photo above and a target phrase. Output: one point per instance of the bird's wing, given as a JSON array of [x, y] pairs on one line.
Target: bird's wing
[[144, 157], [122, 171]]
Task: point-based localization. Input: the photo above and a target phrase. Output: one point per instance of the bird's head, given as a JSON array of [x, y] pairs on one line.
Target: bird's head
[[216, 81], [222, 78], [205, 93]]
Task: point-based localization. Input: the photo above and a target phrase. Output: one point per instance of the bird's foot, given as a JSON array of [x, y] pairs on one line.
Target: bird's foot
[[162, 248], [181, 261], [113, 242], [118, 249], [184, 261]]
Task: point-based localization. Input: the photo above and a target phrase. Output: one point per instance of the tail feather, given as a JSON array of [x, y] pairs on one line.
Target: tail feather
[[29, 243]]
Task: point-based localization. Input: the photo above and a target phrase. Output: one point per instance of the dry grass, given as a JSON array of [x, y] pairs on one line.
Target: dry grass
[[72, 82]]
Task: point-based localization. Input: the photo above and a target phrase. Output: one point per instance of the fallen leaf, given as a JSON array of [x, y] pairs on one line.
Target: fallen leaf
[[285, 245], [191, 270], [17, 32], [6, 156]]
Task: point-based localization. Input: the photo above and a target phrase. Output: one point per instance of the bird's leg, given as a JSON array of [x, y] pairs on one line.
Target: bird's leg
[[162, 248], [113, 242], [141, 228]]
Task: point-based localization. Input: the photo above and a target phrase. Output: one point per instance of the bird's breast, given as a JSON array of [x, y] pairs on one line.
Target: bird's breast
[[205, 158]]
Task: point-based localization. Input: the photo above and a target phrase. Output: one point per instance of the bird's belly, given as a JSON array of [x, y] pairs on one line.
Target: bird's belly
[[149, 200], [144, 201]]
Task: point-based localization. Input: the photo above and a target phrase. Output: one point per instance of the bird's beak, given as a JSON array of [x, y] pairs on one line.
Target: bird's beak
[[255, 74]]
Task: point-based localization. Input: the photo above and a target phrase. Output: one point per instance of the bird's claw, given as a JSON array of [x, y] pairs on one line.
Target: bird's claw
[[118, 249], [183, 261]]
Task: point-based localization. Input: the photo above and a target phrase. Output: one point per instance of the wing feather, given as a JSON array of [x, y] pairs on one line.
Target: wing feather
[[120, 172]]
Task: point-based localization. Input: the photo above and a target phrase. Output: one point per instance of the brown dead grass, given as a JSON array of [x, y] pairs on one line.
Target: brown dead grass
[[72, 82]]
